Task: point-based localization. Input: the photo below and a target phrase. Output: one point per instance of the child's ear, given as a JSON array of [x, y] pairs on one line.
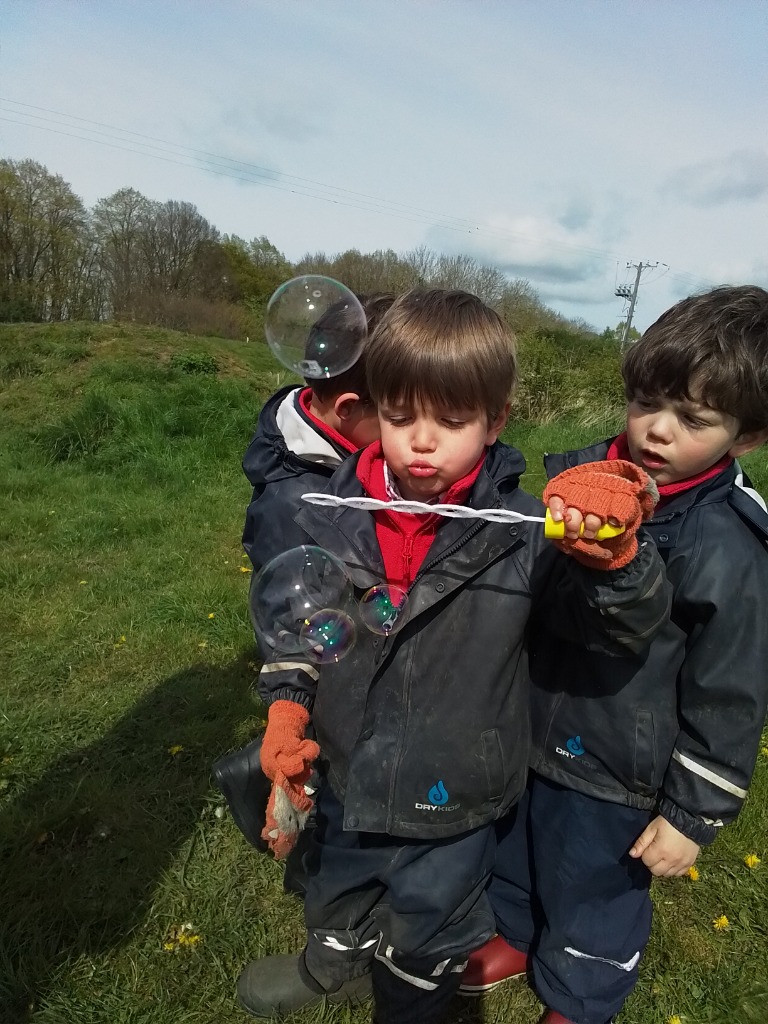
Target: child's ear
[[346, 405], [497, 425], [747, 442]]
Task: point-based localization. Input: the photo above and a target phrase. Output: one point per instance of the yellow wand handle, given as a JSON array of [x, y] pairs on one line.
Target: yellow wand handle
[[556, 531]]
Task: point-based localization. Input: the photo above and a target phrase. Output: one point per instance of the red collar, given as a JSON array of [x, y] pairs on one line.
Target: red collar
[[619, 449], [404, 538], [305, 398]]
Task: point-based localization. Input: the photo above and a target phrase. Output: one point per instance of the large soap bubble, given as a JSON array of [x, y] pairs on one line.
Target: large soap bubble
[[315, 326], [298, 604]]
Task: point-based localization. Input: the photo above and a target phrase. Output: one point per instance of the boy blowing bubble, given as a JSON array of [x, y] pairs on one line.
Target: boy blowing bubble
[[425, 734]]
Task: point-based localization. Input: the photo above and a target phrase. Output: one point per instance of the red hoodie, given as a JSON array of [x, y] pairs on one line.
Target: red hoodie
[[405, 537]]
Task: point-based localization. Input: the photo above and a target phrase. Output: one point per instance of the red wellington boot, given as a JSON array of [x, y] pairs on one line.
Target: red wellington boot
[[491, 965]]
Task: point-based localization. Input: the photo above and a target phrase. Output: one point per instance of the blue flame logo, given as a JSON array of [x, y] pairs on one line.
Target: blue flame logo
[[574, 745], [438, 794]]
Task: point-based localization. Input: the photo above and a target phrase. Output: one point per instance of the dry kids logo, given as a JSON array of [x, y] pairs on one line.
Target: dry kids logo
[[438, 799]]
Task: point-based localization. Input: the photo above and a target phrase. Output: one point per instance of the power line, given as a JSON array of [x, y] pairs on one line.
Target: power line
[[272, 178], [157, 148]]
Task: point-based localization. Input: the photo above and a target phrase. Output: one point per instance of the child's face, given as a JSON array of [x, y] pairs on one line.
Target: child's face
[[429, 448], [674, 439]]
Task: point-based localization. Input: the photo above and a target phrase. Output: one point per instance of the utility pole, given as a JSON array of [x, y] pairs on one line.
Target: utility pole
[[624, 293]]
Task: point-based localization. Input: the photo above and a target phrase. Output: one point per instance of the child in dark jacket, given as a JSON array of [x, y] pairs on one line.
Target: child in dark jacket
[[637, 764], [303, 434], [424, 734]]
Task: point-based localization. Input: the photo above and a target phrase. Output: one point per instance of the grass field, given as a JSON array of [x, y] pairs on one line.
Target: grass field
[[127, 669]]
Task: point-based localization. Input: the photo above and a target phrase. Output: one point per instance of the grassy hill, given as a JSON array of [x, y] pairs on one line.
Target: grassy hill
[[128, 667]]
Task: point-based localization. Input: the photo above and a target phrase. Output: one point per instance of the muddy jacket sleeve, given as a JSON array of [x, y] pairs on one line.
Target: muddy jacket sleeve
[[617, 612], [723, 685], [288, 677]]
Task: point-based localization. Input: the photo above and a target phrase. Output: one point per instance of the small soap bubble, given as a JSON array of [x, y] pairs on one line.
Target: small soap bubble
[[383, 609], [315, 326], [291, 589], [329, 635]]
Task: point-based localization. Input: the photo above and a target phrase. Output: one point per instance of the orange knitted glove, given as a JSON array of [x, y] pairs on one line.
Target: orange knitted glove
[[286, 757], [616, 490]]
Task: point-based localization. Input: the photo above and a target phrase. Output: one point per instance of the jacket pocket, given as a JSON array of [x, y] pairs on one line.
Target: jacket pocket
[[494, 764], [644, 765]]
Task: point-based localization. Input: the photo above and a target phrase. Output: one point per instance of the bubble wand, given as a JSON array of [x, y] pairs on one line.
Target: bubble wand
[[552, 530]]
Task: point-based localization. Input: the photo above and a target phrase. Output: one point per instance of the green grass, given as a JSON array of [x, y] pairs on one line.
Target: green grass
[[120, 516]]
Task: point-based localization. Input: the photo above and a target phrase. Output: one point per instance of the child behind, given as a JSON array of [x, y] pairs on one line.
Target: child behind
[[303, 434], [635, 766], [424, 735]]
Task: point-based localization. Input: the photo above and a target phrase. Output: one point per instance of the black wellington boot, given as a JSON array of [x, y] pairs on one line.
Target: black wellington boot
[[246, 789], [277, 986]]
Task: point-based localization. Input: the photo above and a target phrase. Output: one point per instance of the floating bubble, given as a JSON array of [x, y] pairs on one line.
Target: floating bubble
[[329, 635], [383, 609], [291, 589], [315, 326]]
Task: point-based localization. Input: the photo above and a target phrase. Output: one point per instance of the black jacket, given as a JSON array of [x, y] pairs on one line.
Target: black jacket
[[426, 733], [279, 475], [678, 727]]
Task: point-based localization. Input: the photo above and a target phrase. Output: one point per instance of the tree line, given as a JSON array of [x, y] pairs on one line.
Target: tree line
[[133, 258]]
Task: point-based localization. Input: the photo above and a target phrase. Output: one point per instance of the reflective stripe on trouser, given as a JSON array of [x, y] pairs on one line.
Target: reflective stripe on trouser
[[565, 887], [422, 901], [413, 990]]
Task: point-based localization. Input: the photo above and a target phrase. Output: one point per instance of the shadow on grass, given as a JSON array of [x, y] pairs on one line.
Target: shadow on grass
[[82, 850]]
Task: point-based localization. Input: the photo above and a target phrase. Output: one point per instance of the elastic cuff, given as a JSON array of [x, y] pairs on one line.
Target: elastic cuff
[[693, 828], [296, 697]]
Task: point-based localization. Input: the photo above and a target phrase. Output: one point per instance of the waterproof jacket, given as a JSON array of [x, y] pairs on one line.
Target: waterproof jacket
[[426, 733], [678, 727], [280, 473]]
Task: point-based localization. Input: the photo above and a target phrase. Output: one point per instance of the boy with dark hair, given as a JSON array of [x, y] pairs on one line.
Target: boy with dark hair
[[424, 734], [303, 434], [637, 764]]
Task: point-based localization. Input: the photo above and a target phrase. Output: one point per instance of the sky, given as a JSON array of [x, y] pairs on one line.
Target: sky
[[563, 141]]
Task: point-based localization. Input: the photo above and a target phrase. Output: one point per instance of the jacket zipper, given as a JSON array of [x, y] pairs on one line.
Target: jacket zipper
[[425, 568]]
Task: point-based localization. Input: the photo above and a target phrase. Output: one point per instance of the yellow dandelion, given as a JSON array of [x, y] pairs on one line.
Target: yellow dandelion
[[764, 751], [721, 924], [751, 860], [211, 615], [175, 749], [83, 582], [675, 1019], [203, 643], [693, 873], [245, 568]]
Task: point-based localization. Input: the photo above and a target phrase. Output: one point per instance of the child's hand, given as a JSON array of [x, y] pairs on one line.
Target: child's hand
[[573, 519], [615, 491], [665, 851]]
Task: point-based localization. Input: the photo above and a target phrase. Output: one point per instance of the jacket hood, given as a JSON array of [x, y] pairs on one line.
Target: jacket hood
[[270, 457]]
